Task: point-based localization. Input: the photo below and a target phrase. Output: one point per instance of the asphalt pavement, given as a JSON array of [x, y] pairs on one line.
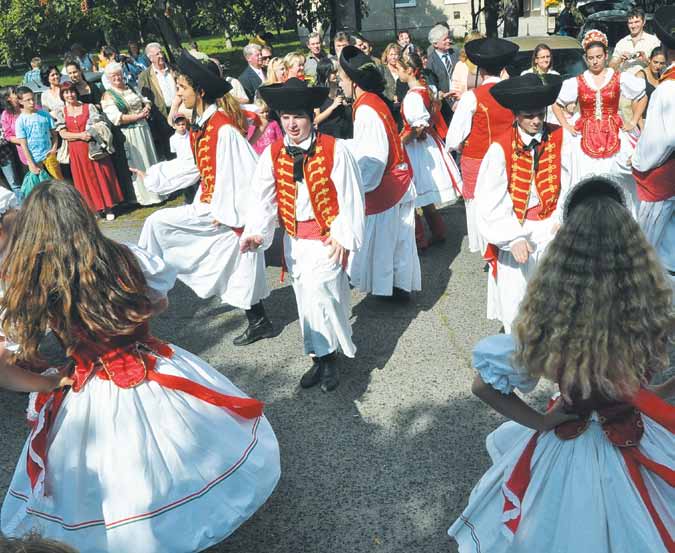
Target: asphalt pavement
[[387, 461]]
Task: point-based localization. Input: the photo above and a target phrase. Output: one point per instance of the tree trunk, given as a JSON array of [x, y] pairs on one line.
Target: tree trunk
[[491, 16], [511, 13]]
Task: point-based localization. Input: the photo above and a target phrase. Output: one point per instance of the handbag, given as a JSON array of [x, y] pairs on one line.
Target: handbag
[[62, 154]]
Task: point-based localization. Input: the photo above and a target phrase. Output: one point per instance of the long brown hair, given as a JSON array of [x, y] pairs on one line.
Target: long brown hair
[[597, 316], [59, 271]]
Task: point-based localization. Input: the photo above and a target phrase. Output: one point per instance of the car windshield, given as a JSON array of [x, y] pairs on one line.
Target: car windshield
[[569, 62]]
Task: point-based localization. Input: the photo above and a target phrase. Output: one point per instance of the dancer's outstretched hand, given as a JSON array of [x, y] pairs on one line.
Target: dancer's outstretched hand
[[250, 243]]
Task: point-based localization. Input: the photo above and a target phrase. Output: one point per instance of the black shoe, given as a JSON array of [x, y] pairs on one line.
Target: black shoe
[[313, 375], [329, 376], [262, 328], [486, 267], [400, 295]]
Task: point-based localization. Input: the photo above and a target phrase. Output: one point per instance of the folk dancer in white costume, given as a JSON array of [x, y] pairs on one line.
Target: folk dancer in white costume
[[151, 449], [604, 143], [201, 240], [309, 184], [521, 186], [654, 159], [436, 176], [387, 263], [478, 121], [596, 470]]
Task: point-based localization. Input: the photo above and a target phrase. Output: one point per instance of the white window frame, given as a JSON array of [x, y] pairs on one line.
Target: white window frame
[[405, 3]]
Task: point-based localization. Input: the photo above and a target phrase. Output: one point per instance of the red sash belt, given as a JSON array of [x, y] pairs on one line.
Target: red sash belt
[[658, 184], [392, 187], [470, 167], [126, 366], [622, 435]]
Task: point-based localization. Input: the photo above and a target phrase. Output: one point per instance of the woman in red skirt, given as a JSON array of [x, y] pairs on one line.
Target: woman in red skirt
[[95, 180]]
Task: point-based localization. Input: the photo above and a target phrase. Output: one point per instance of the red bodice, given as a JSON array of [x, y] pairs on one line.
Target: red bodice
[[600, 121]]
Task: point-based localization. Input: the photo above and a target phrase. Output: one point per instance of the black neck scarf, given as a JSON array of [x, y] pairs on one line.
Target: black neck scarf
[[299, 156]]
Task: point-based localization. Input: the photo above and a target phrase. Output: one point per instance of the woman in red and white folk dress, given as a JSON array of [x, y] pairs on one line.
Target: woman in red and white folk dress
[[436, 176], [152, 450], [596, 472], [605, 141]]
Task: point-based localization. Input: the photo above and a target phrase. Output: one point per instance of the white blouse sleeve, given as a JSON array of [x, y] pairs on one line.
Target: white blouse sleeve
[[632, 87], [569, 92], [492, 358], [235, 164], [370, 147], [159, 276], [416, 114], [348, 226], [167, 177], [262, 213], [657, 141], [495, 218], [110, 109], [460, 124]]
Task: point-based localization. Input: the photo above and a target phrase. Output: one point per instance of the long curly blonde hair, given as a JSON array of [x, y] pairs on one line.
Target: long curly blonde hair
[[597, 316], [60, 272]]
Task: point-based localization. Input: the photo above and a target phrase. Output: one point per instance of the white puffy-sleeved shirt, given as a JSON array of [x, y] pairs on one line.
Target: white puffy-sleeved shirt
[[416, 113], [496, 219], [460, 125], [657, 141], [159, 276], [235, 165], [369, 146], [632, 87], [492, 358], [347, 228]]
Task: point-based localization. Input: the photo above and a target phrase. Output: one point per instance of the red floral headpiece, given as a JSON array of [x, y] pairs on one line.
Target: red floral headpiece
[[594, 36]]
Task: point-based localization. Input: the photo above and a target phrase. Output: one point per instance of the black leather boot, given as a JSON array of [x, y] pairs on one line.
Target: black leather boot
[[259, 326], [329, 374], [313, 375]]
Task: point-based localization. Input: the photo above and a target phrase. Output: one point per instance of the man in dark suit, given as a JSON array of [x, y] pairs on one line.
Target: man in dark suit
[[442, 60], [252, 77]]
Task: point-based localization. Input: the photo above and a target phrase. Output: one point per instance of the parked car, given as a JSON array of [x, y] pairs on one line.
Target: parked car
[[568, 55]]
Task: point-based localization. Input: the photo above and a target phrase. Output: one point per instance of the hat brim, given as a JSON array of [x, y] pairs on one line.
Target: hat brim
[[284, 98], [199, 73], [664, 25], [491, 53], [361, 70], [527, 93]]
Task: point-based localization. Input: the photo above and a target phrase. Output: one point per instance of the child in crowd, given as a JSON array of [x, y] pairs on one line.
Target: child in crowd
[[32, 77], [595, 472], [179, 141], [36, 135], [267, 130], [104, 472]]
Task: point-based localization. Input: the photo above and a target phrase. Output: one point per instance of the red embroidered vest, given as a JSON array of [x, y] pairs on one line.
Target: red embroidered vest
[[397, 174], [600, 121], [489, 121], [658, 184], [203, 144], [519, 172], [317, 170]]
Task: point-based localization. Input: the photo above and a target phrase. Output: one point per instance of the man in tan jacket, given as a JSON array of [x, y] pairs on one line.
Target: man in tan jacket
[[158, 84]]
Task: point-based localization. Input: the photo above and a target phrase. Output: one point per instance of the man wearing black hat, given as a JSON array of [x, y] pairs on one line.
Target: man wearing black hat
[[521, 186], [387, 264], [654, 158], [309, 183], [201, 240], [478, 120]]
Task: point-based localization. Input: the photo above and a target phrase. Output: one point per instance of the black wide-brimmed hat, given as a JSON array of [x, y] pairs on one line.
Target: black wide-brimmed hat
[[528, 92], [594, 186], [293, 95], [361, 69], [203, 73], [490, 53], [664, 25]]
